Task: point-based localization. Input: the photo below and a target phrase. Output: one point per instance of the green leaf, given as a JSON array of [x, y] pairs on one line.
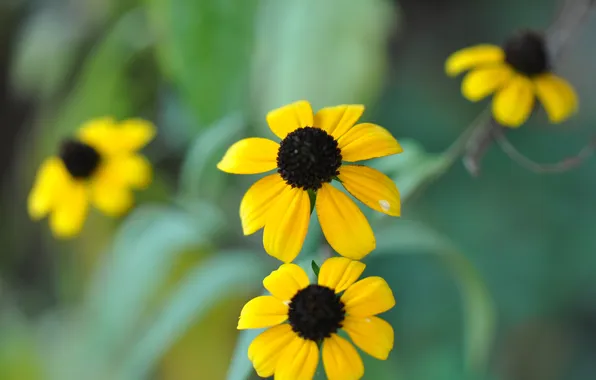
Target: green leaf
[[204, 47], [479, 312], [339, 57], [145, 248], [45, 53], [413, 169], [240, 366], [315, 268], [210, 282], [19, 347], [200, 177]]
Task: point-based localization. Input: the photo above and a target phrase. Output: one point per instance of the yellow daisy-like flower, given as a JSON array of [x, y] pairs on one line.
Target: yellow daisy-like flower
[[314, 313], [516, 73], [309, 157], [100, 167]]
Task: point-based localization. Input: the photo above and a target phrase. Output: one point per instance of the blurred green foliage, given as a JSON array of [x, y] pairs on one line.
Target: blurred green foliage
[[504, 289]]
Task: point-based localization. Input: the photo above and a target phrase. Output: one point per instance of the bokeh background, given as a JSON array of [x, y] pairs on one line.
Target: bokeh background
[[494, 276]]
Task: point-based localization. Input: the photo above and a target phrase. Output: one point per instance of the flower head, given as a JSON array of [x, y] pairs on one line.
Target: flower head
[[313, 152], [99, 166], [303, 316], [516, 73]]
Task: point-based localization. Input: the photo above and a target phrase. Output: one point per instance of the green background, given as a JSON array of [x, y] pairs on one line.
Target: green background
[[494, 275]]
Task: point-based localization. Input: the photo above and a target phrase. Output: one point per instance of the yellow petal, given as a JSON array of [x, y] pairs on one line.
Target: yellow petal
[[343, 224], [365, 141], [557, 96], [338, 120], [289, 118], [298, 361], [135, 170], [513, 104], [372, 335], [124, 170], [372, 188], [110, 137], [134, 134], [100, 134], [265, 350], [257, 201], [339, 273], [250, 156], [484, 81], [262, 311], [50, 181], [69, 213], [111, 199], [287, 224], [341, 360], [286, 281], [368, 297], [471, 57]]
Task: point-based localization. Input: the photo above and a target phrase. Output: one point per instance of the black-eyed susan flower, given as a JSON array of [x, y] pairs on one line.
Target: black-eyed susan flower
[[100, 166], [517, 73], [311, 154], [305, 318]]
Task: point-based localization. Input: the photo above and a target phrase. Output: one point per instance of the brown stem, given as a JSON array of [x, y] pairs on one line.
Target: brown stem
[[557, 167]]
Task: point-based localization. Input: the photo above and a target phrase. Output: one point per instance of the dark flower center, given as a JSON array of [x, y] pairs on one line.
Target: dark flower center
[[316, 312], [80, 159], [526, 53], [308, 157]]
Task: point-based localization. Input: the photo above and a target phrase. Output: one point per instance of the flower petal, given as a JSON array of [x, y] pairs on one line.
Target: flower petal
[[110, 198], [286, 281], [339, 273], [471, 57], [338, 120], [135, 170], [134, 134], [69, 213], [484, 81], [298, 361], [290, 117], [100, 134], [50, 182], [372, 335], [372, 188], [110, 137], [125, 170], [250, 156], [345, 227], [257, 201], [557, 96], [287, 224], [365, 141], [341, 360], [513, 104], [368, 297], [267, 347], [262, 311]]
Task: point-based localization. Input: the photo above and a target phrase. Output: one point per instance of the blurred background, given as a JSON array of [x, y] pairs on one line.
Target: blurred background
[[494, 276]]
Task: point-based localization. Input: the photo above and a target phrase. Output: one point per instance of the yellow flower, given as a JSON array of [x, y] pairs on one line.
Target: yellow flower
[[516, 73], [309, 157], [314, 313], [100, 166]]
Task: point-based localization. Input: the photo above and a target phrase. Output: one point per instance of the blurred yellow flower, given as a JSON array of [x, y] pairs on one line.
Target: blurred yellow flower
[[309, 157], [100, 167], [314, 313], [516, 73]]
